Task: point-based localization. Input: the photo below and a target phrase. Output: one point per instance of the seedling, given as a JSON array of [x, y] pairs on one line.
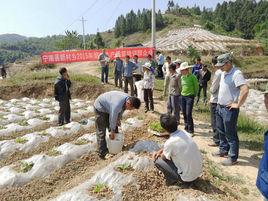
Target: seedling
[[21, 140], [25, 166], [81, 142], [43, 133], [53, 152], [99, 188], [124, 167], [44, 118], [2, 127], [23, 123], [155, 126], [140, 118]]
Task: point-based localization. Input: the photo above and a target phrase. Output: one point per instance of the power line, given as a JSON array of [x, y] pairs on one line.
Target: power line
[[113, 13], [88, 9]]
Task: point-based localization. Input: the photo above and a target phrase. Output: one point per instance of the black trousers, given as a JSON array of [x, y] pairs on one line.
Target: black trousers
[[148, 99], [136, 78], [101, 124], [64, 112], [204, 88], [160, 73], [214, 113]]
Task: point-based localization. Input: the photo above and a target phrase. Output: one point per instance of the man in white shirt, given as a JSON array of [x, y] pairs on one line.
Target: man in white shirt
[[180, 159], [165, 70], [160, 62], [137, 74]]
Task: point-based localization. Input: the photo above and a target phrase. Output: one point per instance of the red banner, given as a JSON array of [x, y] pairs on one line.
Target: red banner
[[92, 55]]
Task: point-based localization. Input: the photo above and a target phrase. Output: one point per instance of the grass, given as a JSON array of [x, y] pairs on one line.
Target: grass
[[159, 85], [250, 133], [155, 126], [21, 140], [46, 76]]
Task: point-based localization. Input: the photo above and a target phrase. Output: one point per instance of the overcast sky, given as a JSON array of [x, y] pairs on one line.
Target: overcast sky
[[47, 17]]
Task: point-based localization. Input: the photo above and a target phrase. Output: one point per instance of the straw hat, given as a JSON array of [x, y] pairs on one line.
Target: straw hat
[[184, 66], [178, 61]]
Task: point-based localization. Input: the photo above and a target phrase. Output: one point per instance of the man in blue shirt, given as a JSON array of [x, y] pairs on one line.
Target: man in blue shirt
[[128, 69], [198, 66], [262, 179], [118, 71], [109, 108]]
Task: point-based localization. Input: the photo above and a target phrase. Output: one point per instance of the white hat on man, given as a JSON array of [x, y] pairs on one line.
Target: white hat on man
[[184, 66]]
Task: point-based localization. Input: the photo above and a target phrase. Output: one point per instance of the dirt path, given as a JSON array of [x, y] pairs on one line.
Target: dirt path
[[247, 167]]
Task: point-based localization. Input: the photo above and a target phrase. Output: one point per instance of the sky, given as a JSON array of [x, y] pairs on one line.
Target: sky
[[40, 18]]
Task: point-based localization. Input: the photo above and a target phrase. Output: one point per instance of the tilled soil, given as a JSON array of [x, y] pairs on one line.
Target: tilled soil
[[43, 147], [41, 187]]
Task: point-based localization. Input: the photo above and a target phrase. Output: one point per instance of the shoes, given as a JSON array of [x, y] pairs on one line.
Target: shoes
[[219, 154], [146, 110], [229, 162], [102, 83]]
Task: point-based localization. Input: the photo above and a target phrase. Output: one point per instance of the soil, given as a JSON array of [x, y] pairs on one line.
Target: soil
[[43, 147], [149, 185]]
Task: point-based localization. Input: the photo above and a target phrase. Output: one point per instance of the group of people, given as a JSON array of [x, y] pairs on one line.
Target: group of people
[[180, 159], [228, 93]]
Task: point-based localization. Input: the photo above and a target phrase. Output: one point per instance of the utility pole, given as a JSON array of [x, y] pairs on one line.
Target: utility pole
[[84, 40], [153, 24]]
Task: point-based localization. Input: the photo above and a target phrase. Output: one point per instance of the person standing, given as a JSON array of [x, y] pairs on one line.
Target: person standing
[[189, 90], [118, 71], [203, 77], [104, 62], [233, 93], [198, 66], [62, 95], [3, 71], [173, 104], [128, 69], [148, 87], [160, 62], [152, 62], [262, 178], [214, 90], [109, 108], [180, 159], [166, 72], [137, 74], [178, 63]]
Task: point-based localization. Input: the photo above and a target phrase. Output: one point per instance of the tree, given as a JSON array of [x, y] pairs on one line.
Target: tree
[[193, 53], [99, 41], [70, 41]]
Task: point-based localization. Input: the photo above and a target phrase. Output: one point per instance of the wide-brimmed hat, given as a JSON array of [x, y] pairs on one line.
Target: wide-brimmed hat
[[266, 90], [147, 65], [178, 61], [223, 59], [184, 66]]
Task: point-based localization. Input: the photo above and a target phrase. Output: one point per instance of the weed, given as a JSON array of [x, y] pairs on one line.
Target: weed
[[155, 126], [44, 118], [2, 127], [21, 140], [244, 191]]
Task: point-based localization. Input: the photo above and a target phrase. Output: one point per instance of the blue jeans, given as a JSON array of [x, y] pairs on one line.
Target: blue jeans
[[214, 113], [187, 103], [227, 129], [173, 106], [104, 72]]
